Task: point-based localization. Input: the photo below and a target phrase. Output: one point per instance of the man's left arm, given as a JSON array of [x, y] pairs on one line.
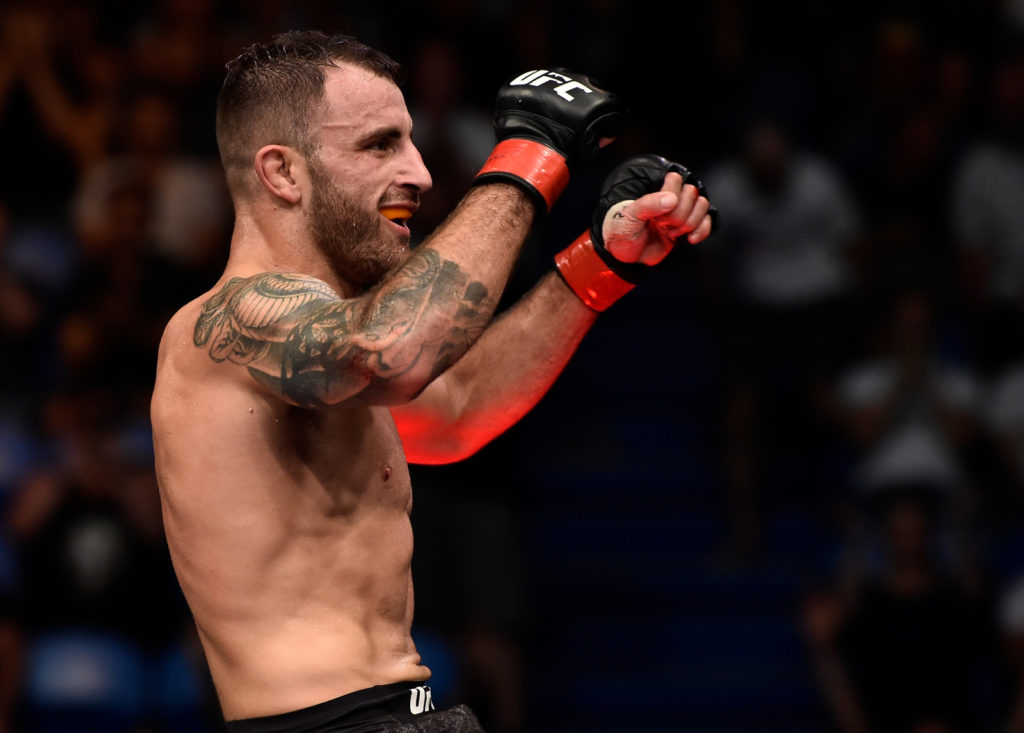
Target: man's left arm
[[519, 356], [505, 373]]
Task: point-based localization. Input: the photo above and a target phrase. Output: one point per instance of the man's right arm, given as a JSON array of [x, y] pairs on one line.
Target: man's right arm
[[302, 341]]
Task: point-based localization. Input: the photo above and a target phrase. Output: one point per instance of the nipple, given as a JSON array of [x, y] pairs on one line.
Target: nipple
[[386, 473]]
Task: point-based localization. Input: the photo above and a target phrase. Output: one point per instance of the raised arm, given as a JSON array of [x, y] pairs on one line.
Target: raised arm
[[499, 380], [520, 355], [298, 338], [302, 341]]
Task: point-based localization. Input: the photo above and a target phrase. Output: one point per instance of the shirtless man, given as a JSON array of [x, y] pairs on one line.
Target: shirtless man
[[291, 396]]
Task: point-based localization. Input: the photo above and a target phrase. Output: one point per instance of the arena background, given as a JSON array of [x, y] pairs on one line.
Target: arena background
[[778, 489]]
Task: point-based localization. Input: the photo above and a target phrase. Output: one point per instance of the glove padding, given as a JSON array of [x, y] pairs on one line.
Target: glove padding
[[565, 111], [636, 177], [545, 121], [590, 270]]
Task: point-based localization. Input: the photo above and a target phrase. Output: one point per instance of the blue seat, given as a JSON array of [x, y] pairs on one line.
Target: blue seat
[[83, 681]]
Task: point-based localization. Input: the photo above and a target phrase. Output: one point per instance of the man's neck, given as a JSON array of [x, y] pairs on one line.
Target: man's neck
[[258, 247]]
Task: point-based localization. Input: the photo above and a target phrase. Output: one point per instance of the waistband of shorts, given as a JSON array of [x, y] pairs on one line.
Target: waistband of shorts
[[403, 700]]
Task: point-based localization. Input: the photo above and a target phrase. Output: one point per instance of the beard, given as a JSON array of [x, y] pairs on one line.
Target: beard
[[359, 249]]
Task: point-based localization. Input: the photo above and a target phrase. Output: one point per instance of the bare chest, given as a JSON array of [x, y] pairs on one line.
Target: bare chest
[[349, 458]]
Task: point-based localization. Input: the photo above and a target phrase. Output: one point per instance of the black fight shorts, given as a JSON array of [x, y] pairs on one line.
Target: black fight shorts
[[403, 707]]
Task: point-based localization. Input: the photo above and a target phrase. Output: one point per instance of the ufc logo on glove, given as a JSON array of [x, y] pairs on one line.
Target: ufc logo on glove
[[543, 76], [545, 120]]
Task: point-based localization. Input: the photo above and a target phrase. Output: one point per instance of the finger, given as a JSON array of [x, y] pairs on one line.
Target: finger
[[657, 249], [700, 210], [673, 182], [674, 223], [701, 232], [687, 200], [649, 206]]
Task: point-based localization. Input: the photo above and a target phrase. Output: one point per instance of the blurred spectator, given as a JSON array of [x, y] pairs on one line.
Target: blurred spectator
[[453, 136], [11, 665], [89, 531], [909, 647], [1011, 632], [186, 207], [21, 320], [988, 220], [83, 122], [179, 48], [911, 415], [145, 241], [176, 43], [1005, 421], [97, 604], [907, 237], [99, 339], [785, 246], [471, 587], [46, 163]]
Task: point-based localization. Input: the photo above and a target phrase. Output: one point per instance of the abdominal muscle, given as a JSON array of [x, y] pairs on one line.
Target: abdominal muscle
[[295, 562], [304, 660], [304, 642]]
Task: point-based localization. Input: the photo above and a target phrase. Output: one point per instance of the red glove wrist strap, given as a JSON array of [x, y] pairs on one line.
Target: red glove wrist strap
[[537, 164], [587, 274]]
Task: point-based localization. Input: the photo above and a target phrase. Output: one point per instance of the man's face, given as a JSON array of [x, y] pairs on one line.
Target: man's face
[[367, 176]]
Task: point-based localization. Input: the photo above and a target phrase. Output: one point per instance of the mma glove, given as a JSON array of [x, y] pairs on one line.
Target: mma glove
[[545, 121], [586, 265]]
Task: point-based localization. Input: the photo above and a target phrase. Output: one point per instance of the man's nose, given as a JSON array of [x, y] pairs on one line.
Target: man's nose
[[414, 173]]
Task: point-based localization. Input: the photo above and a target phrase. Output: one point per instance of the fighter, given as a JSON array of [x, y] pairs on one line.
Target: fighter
[[291, 397]]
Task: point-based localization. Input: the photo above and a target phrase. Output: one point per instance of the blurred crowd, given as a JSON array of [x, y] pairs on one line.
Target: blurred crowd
[[865, 296]]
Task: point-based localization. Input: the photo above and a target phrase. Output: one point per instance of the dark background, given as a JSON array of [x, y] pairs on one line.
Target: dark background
[[791, 504]]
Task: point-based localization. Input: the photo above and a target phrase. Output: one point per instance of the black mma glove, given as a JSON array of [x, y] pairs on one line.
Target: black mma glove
[[545, 121], [593, 273]]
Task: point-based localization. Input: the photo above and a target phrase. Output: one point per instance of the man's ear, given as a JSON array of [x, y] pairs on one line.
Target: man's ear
[[279, 169]]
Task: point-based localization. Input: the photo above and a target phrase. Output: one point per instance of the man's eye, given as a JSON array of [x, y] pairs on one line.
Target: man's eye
[[380, 145]]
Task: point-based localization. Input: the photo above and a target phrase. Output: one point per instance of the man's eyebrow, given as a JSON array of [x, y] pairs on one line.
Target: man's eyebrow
[[389, 132]]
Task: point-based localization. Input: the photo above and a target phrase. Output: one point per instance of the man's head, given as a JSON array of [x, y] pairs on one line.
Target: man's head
[[273, 92], [315, 126]]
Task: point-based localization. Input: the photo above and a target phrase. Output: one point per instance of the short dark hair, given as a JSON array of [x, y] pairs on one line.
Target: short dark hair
[[273, 89]]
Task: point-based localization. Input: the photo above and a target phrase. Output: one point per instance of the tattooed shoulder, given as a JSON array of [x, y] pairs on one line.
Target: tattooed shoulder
[[297, 337], [238, 322]]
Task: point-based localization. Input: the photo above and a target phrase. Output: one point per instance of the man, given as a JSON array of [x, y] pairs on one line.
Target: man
[[289, 399]]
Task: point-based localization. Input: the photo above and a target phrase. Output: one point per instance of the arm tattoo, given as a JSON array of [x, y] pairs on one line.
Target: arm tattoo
[[296, 336]]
